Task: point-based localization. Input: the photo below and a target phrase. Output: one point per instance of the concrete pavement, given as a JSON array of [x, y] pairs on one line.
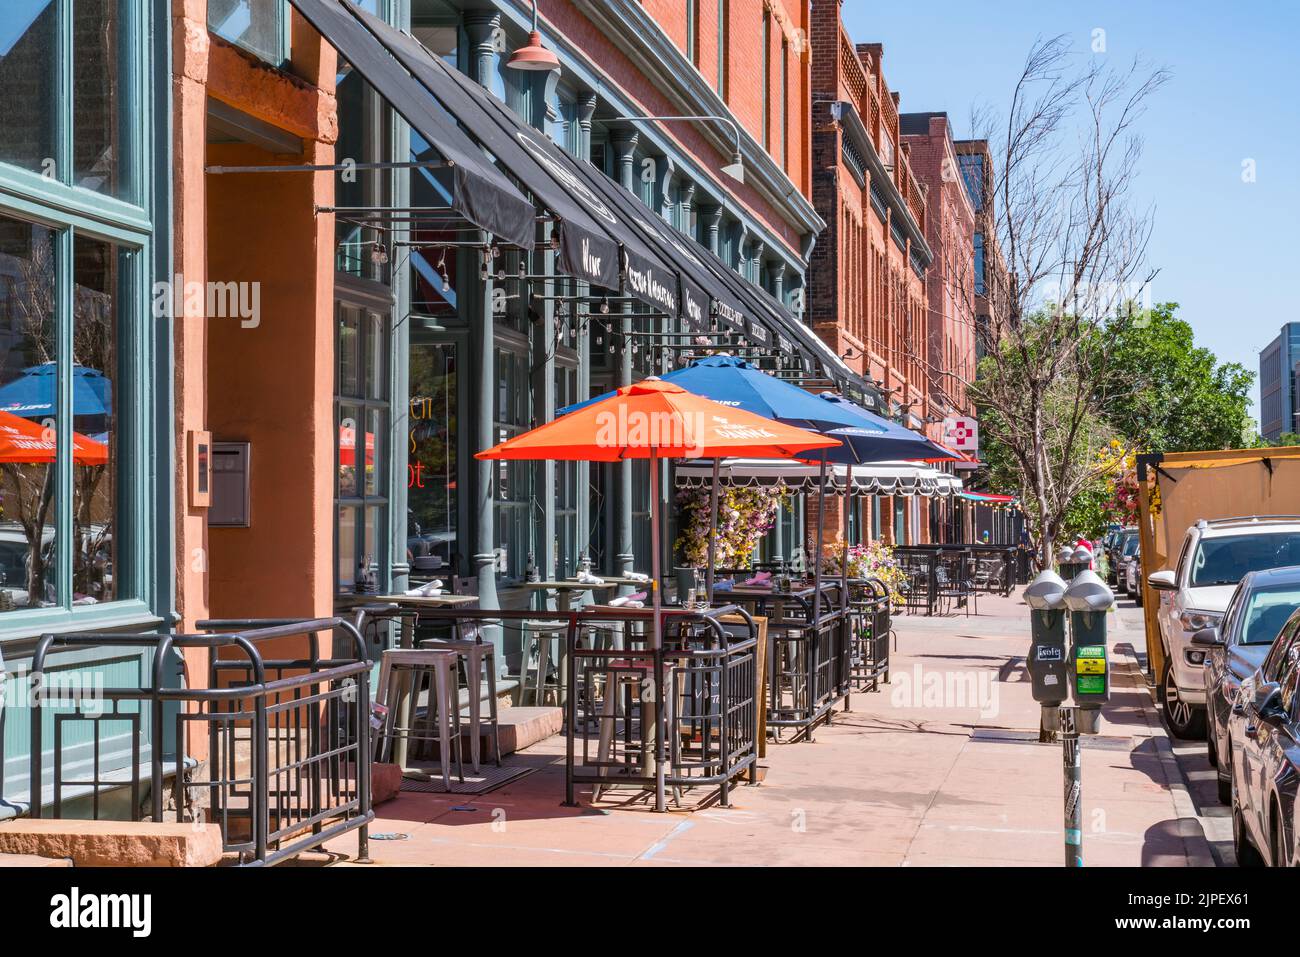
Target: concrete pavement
[[941, 767]]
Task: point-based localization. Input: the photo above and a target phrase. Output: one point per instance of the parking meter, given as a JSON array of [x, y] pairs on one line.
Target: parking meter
[[1089, 599], [1065, 560], [1048, 673]]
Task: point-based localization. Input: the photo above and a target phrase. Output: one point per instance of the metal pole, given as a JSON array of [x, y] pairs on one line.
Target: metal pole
[[713, 526], [821, 529], [656, 642], [1073, 788]]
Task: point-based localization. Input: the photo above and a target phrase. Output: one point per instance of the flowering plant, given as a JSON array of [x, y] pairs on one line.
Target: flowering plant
[[873, 560], [745, 515]]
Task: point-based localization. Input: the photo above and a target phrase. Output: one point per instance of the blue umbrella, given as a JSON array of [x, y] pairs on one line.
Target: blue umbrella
[[31, 395], [866, 437]]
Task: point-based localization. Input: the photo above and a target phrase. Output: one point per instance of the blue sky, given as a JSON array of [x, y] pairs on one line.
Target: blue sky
[[1224, 247]]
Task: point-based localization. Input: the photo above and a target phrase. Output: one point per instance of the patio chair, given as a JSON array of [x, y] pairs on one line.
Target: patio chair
[[474, 658], [403, 672]]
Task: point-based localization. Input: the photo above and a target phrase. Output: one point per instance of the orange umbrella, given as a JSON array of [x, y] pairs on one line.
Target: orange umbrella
[[657, 419], [26, 442], [654, 419]]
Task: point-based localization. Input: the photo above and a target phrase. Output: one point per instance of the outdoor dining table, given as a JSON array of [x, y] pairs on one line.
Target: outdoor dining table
[[406, 638], [565, 589]]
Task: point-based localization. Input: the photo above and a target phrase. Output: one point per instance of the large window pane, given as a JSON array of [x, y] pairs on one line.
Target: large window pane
[[97, 268], [28, 69], [27, 415], [256, 25], [431, 470], [101, 132]]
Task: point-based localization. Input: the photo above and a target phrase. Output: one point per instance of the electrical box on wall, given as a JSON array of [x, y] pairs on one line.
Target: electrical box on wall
[[200, 460], [232, 470]]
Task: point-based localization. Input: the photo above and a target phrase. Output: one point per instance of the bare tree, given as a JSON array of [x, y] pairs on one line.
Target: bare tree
[[1065, 157]]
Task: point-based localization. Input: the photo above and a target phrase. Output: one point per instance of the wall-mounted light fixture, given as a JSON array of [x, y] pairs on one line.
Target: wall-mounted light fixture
[[532, 55]]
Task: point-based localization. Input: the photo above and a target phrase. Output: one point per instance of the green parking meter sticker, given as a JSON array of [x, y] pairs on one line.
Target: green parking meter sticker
[[1090, 651], [1090, 684]]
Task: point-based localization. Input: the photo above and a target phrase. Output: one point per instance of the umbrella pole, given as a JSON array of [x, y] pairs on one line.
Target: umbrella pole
[[713, 525], [660, 692], [844, 570], [821, 534]]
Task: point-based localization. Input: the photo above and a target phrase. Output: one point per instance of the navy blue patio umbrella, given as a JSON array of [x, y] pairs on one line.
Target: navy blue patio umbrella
[[31, 395]]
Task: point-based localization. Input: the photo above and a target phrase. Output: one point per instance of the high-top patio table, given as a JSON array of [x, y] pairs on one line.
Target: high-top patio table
[[406, 638], [565, 589]]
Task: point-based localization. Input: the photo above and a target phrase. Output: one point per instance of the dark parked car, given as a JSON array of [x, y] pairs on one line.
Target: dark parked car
[[1264, 729], [1235, 649]]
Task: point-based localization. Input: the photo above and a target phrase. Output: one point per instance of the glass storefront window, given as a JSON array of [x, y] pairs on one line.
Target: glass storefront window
[[28, 484], [31, 463], [102, 138], [362, 427], [29, 64], [99, 131], [259, 26], [431, 482], [96, 271]]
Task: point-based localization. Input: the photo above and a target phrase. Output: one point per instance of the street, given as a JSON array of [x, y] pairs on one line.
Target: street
[[941, 767]]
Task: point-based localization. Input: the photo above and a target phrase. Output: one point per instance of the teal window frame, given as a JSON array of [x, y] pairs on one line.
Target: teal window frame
[[145, 562], [280, 56], [68, 210]]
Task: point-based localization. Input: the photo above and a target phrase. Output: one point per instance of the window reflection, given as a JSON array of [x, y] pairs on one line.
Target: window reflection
[[101, 131], [259, 26], [431, 469], [97, 267], [28, 71], [27, 415]]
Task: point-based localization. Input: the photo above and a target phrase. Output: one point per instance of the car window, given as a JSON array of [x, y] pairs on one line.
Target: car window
[[1285, 642], [1287, 679], [1225, 560], [1232, 613], [1267, 610], [1182, 557], [1130, 546]]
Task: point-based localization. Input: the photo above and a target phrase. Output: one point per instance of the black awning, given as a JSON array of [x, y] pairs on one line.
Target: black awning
[[589, 232], [479, 191]]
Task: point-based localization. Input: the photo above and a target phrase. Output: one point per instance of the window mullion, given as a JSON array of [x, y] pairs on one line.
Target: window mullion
[[64, 301], [64, 94]]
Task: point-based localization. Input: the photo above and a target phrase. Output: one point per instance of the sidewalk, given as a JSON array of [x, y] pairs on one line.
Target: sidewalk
[[941, 767]]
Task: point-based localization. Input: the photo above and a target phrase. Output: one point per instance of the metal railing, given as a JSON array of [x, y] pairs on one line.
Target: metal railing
[[869, 623], [288, 738]]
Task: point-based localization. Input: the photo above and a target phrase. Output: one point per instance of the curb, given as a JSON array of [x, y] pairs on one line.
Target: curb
[[1194, 840]]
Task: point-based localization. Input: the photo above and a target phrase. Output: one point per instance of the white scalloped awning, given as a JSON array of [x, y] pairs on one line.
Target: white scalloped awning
[[881, 478]]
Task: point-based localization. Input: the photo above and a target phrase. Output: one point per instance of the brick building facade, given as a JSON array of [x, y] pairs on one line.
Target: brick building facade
[[867, 275], [949, 351], [989, 268]]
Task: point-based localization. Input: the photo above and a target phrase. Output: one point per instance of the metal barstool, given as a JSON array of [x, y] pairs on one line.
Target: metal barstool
[[401, 673], [473, 653], [544, 632]]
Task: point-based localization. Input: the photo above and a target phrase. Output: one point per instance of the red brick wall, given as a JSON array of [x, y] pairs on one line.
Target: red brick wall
[[950, 282], [865, 299], [744, 69]]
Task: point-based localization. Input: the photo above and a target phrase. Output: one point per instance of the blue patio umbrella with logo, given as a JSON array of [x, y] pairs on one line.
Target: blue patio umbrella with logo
[[31, 395], [864, 437]]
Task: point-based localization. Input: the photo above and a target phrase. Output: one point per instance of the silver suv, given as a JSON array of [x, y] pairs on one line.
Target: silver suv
[[1216, 555]]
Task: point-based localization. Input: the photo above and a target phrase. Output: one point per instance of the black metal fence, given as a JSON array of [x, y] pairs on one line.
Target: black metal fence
[[869, 624], [288, 738]]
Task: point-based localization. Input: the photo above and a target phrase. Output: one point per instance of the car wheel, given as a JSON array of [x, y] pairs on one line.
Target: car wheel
[[1242, 848], [1137, 598], [1184, 720]]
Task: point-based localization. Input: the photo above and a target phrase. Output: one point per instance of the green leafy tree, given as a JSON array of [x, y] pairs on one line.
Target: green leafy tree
[[1166, 394]]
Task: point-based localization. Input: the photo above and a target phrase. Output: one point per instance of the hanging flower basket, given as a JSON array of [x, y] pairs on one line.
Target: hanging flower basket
[[745, 515]]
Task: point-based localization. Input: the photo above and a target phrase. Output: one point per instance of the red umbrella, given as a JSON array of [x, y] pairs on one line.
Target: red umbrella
[[26, 442]]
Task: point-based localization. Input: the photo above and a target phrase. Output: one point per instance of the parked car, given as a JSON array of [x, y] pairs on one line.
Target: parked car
[[1235, 650], [1215, 556], [1132, 576], [1124, 550], [1113, 547], [1265, 733]]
